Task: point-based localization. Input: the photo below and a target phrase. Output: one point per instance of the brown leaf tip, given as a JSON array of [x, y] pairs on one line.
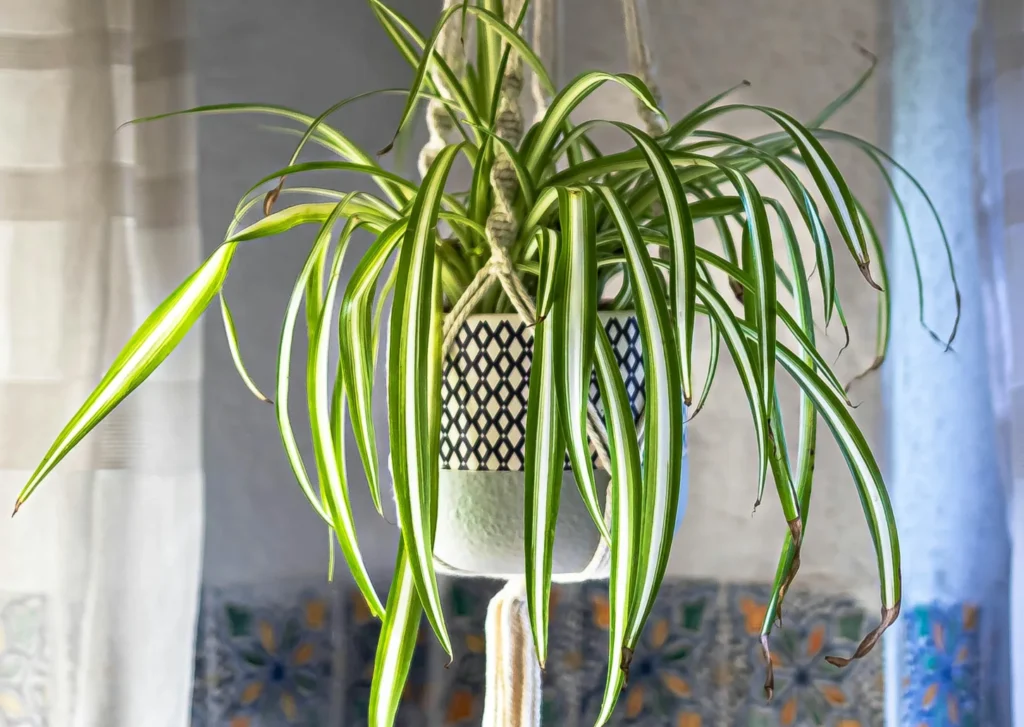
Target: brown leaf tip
[[865, 270], [865, 52], [889, 616], [271, 198], [627, 661], [769, 677]]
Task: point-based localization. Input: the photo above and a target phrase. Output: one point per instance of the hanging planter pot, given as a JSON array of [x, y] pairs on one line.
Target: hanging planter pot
[[484, 394]]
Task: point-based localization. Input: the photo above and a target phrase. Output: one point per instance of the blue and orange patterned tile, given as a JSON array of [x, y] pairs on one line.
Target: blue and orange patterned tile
[[24, 665], [672, 677], [362, 635], [461, 685], [808, 690], [268, 657], [565, 660], [942, 669]]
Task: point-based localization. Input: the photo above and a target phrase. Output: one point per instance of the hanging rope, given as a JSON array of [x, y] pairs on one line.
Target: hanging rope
[[440, 124], [513, 676], [640, 65], [545, 45]]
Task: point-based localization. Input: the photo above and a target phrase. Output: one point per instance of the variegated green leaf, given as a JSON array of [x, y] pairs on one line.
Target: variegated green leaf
[[358, 338], [883, 327], [337, 142], [409, 419], [284, 360], [789, 560], [328, 447], [396, 645], [549, 286], [627, 553], [868, 478], [663, 418], [575, 323], [236, 355], [545, 453], [395, 24], [745, 366], [161, 332], [543, 139]]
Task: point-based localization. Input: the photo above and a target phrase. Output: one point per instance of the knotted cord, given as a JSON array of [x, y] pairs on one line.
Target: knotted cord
[[634, 14]]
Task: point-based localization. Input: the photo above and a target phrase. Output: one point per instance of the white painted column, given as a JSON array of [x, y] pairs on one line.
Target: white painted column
[[944, 661]]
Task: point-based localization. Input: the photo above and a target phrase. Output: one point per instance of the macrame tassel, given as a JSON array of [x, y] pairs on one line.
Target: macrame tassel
[[514, 678]]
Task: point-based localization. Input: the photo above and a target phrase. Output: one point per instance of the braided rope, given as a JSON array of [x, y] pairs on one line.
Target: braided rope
[[440, 124], [640, 64]]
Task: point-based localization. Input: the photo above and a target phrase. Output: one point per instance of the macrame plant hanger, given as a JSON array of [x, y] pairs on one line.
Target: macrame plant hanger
[[514, 678]]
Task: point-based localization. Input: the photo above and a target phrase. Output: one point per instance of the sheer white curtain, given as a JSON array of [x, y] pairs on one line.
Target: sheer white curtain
[[1000, 103], [99, 571]]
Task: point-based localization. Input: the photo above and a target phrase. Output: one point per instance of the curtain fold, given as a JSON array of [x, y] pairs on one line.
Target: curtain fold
[[99, 572], [999, 101]]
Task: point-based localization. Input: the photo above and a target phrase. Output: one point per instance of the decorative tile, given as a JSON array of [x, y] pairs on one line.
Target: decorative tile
[[565, 660], [672, 678], [23, 661], [266, 659], [269, 662], [362, 635], [485, 388], [461, 688], [942, 672], [808, 690]]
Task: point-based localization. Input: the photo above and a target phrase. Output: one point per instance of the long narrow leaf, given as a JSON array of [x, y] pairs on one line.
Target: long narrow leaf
[[355, 330], [396, 645], [545, 453], [328, 445], [409, 419], [284, 361], [870, 486], [236, 355], [161, 332], [571, 96], [575, 319], [627, 552], [663, 418]]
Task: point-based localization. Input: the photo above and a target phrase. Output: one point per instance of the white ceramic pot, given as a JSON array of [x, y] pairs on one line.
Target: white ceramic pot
[[484, 391]]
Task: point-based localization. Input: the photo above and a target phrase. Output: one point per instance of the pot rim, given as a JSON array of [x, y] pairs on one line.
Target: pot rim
[[492, 317]]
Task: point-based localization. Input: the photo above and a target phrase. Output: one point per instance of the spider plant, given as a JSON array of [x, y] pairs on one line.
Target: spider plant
[[584, 231]]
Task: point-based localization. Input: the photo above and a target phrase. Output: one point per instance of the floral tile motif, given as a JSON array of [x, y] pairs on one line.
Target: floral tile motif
[[362, 636], [23, 661], [942, 677], [808, 690], [565, 660], [266, 660], [461, 691], [672, 678]]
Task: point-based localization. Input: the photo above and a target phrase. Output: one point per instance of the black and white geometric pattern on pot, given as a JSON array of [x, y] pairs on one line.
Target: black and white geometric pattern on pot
[[486, 385]]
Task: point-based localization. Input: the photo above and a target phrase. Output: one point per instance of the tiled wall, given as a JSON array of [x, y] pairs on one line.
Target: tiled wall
[[304, 656]]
